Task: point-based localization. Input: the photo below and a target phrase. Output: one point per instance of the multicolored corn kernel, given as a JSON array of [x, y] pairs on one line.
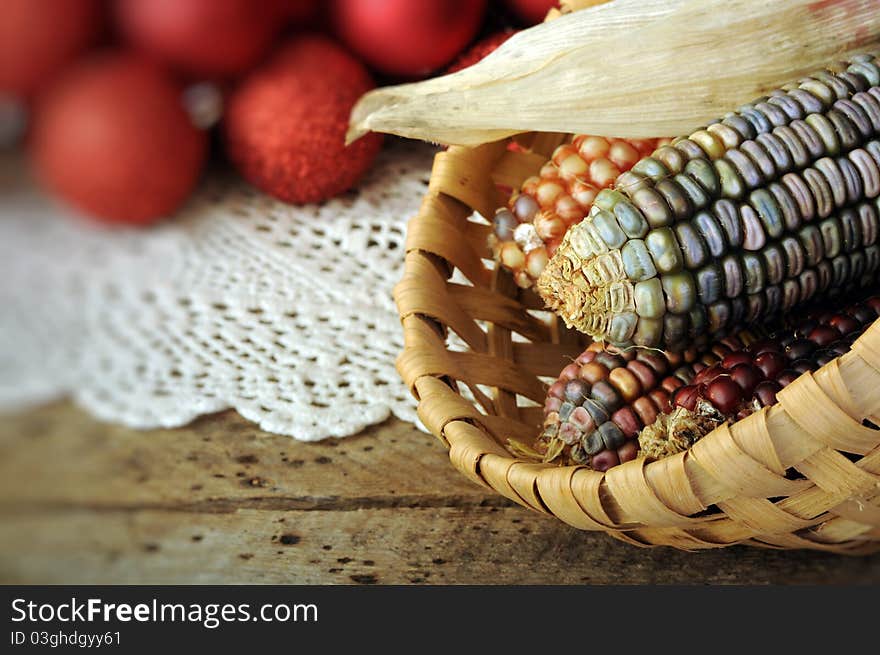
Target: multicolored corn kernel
[[557, 198], [609, 405], [762, 211]]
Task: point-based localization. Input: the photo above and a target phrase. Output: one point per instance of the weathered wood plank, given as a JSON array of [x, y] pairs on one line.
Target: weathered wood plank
[[59, 453], [388, 546], [222, 502]]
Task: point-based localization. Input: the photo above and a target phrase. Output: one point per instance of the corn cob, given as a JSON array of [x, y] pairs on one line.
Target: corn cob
[[528, 231], [771, 206], [607, 404]]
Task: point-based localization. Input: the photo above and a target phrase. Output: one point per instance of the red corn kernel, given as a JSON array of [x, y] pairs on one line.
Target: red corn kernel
[[628, 451], [844, 324], [552, 405], [585, 357], [823, 335], [862, 313], [787, 377], [765, 393], [659, 364], [874, 303], [580, 418], [771, 364], [628, 355], [686, 396], [625, 418], [799, 348], [671, 383], [802, 365], [764, 346], [735, 358], [646, 410], [709, 374], [804, 328], [747, 376], [570, 372], [644, 373], [604, 460], [660, 397], [724, 394], [557, 389]]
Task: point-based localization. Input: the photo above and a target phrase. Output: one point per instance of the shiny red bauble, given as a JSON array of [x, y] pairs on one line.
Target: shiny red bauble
[[285, 125], [202, 37], [38, 37], [407, 38], [111, 137], [531, 12]]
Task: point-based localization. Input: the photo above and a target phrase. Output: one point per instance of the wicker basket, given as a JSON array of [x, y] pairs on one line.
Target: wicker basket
[[476, 348]]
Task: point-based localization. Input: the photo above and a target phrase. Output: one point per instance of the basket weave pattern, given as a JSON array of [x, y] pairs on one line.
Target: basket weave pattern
[[804, 473]]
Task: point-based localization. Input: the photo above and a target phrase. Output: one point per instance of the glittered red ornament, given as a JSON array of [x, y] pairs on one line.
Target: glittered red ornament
[[111, 137], [285, 125], [531, 12], [408, 38], [479, 50], [202, 37], [38, 37]]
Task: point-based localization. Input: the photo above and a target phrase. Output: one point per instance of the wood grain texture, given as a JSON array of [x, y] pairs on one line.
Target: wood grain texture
[[222, 502]]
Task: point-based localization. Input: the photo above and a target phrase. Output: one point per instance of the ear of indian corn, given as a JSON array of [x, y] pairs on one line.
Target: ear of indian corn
[[763, 210], [527, 232], [606, 404]]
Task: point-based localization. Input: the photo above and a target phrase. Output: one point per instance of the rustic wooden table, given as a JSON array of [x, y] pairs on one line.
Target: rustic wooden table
[[222, 502]]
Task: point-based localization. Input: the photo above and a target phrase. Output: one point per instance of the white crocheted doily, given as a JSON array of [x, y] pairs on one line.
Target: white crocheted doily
[[281, 313]]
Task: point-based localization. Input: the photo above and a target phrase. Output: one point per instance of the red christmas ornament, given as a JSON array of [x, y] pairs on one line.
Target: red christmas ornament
[[531, 12], [202, 37], [38, 37], [112, 138], [285, 126], [479, 50], [408, 38]]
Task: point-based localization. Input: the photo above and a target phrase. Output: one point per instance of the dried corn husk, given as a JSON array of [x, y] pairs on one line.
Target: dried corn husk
[[626, 68]]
